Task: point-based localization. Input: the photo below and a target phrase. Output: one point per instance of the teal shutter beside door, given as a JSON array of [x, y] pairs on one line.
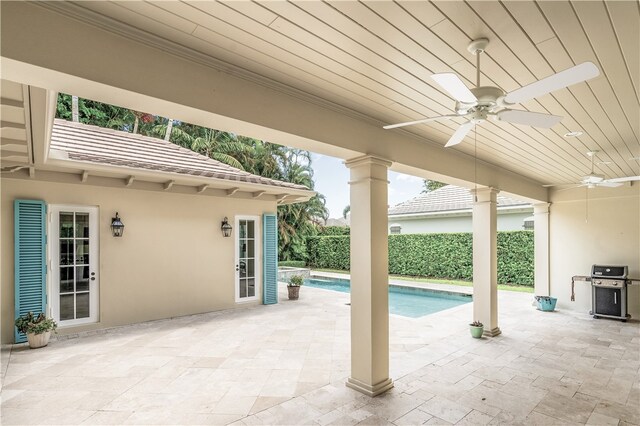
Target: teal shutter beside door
[[30, 259], [270, 259]]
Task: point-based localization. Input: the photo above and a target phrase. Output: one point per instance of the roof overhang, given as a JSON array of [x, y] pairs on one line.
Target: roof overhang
[[244, 103]]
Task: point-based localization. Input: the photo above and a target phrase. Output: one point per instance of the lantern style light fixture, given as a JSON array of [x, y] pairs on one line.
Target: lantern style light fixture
[[226, 228], [117, 227]]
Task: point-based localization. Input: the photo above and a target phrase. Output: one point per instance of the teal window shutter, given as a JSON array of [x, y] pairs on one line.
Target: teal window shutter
[[270, 259], [30, 262]]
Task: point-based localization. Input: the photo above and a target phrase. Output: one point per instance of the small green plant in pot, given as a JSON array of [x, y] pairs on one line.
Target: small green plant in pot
[[294, 286], [477, 329], [38, 328]]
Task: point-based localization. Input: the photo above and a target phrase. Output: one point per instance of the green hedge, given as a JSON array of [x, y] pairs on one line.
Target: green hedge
[[334, 230], [446, 256], [292, 263]]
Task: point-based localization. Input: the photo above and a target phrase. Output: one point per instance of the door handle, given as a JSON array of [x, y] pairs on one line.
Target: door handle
[[237, 268], [93, 278]]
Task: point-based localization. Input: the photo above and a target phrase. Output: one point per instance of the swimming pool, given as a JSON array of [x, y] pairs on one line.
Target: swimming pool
[[406, 301]]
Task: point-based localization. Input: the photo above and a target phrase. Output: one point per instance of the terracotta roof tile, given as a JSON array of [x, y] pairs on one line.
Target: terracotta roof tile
[[83, 142]]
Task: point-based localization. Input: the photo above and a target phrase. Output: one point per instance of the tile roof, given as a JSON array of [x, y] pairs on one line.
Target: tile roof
[[83, 142], [446, 199]]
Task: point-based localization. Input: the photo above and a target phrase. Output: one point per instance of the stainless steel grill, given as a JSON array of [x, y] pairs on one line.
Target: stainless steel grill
[[609, 291]]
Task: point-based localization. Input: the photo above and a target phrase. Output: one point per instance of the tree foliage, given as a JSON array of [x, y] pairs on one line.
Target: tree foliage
[[295, 221], [431, 185]]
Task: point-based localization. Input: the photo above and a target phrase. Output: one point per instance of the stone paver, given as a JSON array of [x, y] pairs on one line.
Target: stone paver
[[286, 364]]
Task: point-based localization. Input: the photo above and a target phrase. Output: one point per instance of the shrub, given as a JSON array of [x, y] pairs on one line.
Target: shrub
[[293, 263], [334, 230], [30, 323], [296, 281], [446, 256]]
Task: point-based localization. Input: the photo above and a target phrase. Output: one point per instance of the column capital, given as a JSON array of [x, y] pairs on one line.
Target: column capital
[[485, 194], [367, 160], [541, 208]]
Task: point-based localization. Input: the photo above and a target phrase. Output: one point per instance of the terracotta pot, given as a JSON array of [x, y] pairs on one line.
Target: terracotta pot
[[294, 292], [38, 340]]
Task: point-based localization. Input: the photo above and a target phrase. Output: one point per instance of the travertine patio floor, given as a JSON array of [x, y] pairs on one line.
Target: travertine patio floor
[[287, 364]]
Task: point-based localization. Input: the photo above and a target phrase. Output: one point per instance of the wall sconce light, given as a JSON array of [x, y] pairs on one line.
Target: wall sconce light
[[226, 228], [117, 227]]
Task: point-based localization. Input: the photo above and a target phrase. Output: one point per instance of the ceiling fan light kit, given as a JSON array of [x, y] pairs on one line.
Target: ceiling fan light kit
[[481, 102]]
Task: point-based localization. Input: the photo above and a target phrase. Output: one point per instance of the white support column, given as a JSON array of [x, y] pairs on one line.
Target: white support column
[[369, 276], [485, 260], [541, 249]]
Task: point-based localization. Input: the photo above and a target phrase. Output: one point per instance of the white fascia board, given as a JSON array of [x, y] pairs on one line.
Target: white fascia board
[[458, 213]]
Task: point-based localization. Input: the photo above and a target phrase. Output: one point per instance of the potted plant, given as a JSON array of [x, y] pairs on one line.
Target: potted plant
[[477, 329], [546, 303], [37, 328], [294, 286]]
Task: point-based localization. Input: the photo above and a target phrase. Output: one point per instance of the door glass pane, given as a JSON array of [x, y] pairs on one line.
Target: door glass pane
[[251, 268], [66, 252], [250, 231], [82, 278], [242, 266], [66, 225], [82, 252], [251, 248], [66, 307], [66, 280], [82, 225], [252, 287], [243, 288], [242, 244], [82, 305], [243, 229]]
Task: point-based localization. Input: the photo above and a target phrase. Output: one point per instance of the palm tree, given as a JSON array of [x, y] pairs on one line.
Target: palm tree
[[222, 146]]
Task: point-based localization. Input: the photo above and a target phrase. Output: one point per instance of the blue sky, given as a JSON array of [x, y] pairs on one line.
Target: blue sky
[[332, 177]]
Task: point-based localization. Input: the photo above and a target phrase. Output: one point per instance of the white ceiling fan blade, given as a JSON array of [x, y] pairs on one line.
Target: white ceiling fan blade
[[623, 179], [568, 77], [528, 118], [459, 134], [424, 120], [609, 184], [455, 87]]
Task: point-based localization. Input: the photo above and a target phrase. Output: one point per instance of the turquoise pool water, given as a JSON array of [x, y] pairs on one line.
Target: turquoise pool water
[[405, 301]]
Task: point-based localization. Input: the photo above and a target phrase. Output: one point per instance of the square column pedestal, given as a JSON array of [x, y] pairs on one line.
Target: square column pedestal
[[485, 259], [369, 276]]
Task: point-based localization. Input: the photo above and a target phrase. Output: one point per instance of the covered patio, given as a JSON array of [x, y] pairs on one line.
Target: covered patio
[[552, 368], [327, 77]]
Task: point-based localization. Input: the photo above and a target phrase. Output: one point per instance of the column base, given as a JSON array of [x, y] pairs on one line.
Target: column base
[[368, 390], [492, 333]]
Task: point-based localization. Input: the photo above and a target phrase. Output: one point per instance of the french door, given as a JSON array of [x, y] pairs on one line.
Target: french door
[[247, 258], [74, 264]]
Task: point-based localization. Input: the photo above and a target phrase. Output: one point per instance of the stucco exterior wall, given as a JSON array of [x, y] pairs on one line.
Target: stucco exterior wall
[[171, 261], [611, 236], [506, 222]]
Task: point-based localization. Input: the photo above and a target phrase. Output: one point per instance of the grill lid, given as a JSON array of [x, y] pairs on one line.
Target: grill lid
[[609, 271]]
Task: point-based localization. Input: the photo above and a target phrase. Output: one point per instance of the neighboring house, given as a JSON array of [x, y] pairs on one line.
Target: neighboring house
[[340, 221], [448, 209], [172, 258]]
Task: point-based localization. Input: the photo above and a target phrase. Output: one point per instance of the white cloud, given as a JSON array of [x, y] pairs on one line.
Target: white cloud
[[407, 178]]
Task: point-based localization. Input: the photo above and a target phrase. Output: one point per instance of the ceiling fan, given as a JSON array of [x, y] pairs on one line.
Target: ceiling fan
[[594, 179], [481, 102]]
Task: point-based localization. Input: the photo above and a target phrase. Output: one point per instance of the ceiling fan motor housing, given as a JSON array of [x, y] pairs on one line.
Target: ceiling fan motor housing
[[489, 99]]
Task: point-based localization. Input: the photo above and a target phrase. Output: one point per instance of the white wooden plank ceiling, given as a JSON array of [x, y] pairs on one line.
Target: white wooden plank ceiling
[[377, 58]]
